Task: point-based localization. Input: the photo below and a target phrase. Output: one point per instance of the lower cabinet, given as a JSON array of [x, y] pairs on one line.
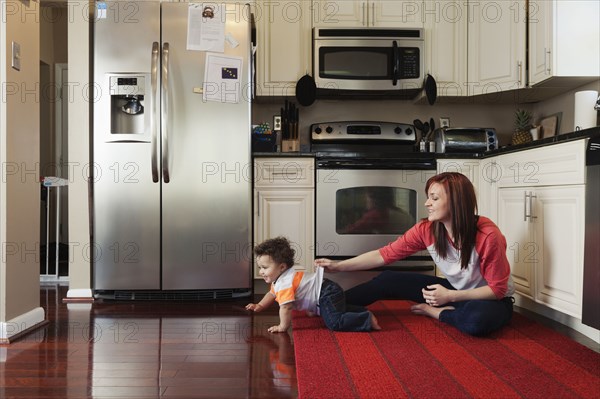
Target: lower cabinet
[[537, 199], [544, 230], [284, 205]]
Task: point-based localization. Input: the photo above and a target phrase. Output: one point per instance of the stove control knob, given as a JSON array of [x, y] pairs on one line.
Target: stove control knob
[[318, 130], [397, 130], [329, 129], [409, 131]]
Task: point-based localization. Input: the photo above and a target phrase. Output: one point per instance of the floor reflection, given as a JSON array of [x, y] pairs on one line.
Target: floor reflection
[[148, 350]]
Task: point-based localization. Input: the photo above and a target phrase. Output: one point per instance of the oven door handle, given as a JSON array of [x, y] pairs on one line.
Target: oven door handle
[[421, 164], [395, 63]]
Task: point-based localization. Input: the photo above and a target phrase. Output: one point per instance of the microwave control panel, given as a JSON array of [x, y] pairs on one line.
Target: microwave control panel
[[409, 62]]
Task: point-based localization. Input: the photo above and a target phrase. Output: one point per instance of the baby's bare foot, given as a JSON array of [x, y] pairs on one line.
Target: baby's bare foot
[[431, 311], [374, 324]]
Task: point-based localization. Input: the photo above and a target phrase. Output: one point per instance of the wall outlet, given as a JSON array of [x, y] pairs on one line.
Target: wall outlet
[[277, 122], [444, 121]]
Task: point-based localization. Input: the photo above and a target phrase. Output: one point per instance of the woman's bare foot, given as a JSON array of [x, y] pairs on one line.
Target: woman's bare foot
[[425, 309], [374, 323]]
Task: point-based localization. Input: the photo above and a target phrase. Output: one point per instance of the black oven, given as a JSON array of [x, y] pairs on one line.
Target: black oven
[[370, 188]]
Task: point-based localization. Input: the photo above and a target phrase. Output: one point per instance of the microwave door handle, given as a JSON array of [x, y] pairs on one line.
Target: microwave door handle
[[395, 63]]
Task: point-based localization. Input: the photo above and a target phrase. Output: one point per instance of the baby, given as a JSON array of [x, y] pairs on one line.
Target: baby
[[311, 292]]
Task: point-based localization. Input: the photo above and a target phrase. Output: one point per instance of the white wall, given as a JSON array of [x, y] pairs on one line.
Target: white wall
[[19, 186], [79, 147], [564, 103], [485, 114]]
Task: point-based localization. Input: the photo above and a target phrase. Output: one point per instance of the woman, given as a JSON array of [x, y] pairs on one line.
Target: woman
[[469, 250]]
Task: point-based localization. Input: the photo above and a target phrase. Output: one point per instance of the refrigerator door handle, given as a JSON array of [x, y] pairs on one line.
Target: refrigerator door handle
[[154, 99], [165, 112]]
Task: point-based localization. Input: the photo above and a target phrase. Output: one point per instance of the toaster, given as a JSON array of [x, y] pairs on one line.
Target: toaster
[[465, 139]]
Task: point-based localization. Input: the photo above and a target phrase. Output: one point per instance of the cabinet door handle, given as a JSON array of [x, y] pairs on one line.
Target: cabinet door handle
[[519, 73], [364, 18], [372, 14], [548, 55], [528, 198], [525, 206], [531, 197]]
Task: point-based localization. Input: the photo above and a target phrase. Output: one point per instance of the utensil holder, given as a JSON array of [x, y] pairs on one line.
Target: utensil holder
[[290, 145]]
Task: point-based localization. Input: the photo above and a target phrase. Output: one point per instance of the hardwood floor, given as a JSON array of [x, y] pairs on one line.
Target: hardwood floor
[[150, 350]]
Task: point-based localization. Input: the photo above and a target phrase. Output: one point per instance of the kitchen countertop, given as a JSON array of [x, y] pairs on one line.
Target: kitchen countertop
[[561, 138], [282, 154]]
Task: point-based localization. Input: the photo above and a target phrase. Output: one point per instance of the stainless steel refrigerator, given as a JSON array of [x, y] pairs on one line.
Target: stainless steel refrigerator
[[171, 192]]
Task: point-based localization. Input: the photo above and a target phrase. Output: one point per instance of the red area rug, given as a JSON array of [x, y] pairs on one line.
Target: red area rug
[[418, 357]]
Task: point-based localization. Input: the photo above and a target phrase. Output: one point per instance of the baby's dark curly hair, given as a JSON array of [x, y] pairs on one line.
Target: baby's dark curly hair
[[278, 248]]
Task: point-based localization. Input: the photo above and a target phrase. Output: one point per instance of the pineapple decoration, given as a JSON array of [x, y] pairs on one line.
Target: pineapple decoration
[[522, 132]]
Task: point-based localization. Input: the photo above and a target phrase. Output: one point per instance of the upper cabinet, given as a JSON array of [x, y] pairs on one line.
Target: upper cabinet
[[446, 45], [283, 36], [481, 47], [475, 47], [564, 41], [367, 13], [496, 46], [472, 47]]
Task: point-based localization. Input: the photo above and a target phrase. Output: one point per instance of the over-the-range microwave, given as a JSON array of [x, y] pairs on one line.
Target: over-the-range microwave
[[368, 61]]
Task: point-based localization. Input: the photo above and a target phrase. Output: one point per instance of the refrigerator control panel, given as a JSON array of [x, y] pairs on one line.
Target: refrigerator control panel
[[127, 85]]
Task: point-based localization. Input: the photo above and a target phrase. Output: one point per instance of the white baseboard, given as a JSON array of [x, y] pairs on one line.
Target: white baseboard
[[80, 293], [20, 324]]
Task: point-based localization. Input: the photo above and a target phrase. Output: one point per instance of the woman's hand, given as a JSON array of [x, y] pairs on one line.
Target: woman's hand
[[366, 261], [437, 295], [327, 264]]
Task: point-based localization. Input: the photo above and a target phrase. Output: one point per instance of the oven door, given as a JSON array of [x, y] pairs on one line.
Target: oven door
[[358, 210]]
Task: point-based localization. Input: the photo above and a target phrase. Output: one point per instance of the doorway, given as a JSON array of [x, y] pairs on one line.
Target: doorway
[[53, 164]]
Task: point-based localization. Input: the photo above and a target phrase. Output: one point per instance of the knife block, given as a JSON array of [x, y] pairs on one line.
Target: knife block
[[290, 145]]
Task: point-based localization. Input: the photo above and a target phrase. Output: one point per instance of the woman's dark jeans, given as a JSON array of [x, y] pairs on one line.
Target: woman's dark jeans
[[475, 317], [337, 315]]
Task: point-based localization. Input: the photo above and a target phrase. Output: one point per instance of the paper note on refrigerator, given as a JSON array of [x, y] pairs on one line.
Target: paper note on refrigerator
[[206, 27], [222, 78]]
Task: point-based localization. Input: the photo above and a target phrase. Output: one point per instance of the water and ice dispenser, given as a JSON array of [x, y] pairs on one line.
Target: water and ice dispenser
[[129, 118]]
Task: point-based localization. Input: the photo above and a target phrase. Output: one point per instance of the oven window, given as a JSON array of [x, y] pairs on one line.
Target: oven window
[[375, 210], [355, 63]]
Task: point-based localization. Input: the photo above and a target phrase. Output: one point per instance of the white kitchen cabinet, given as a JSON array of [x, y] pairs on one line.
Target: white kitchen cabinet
[[468, 167], [540, 211], [475, 47], [496, 46], [367, 13], [521, 249], [284, 205], [446, 49], [555, 165], [283, 55], [564, 40], [544, 229]]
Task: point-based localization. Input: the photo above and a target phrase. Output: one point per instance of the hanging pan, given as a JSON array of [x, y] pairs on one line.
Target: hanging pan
[[306, 90]]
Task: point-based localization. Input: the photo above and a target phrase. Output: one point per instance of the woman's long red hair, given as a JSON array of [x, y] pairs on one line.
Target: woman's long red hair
[[462, 204]]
